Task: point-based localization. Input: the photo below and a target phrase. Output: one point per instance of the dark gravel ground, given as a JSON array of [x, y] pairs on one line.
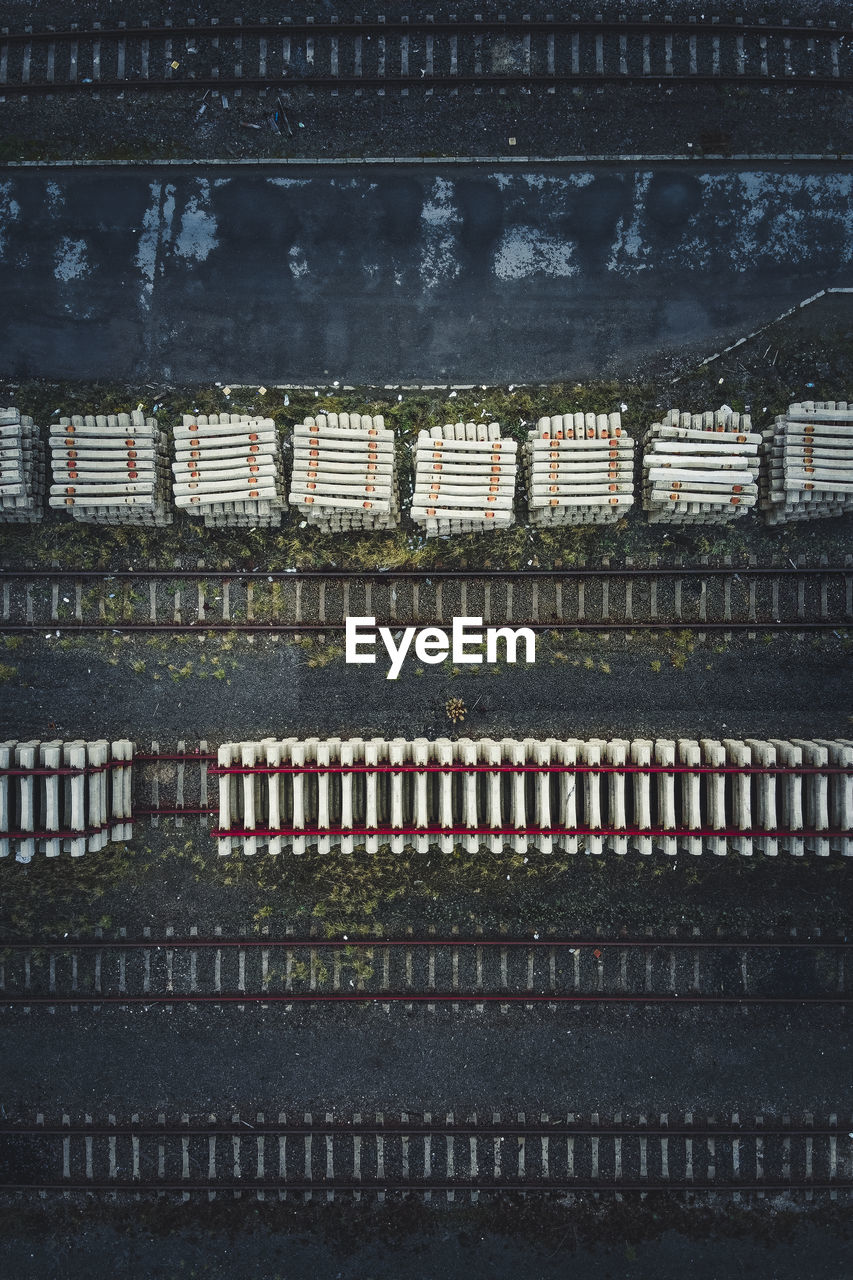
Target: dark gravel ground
[[783, 687], [596, 1242], [709, 1061], [576, 122]]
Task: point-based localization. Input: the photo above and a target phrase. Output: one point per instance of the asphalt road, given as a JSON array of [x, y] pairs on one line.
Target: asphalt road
[[421, 273]]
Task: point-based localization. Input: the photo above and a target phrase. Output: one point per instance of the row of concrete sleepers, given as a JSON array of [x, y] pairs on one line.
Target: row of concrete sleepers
[[640, 794], [685, 795], [64, 797], [22, 468], [701, 468]]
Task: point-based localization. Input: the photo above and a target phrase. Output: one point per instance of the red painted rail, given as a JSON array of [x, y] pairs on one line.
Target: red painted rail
[[755, 832]]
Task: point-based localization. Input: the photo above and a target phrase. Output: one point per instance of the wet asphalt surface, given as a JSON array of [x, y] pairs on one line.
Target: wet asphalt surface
[[410, 275]]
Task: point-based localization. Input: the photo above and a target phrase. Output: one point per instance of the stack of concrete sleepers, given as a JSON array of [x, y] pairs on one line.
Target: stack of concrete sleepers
[[344, 473], [228, 469], [71, 797], [22, 457], [700, 468], [579, 469], [585, 796], [464, 479], [111, 469], [808, 453]]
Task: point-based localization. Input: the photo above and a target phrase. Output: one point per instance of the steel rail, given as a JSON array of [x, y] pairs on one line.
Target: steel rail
[[408, 997], [69, 626], [224, 770], [428, 575], [439, 26], [238, 833], [500, 1185], [80, 834], [393, 1128], [61, 771], [18, 89], [361, 943]]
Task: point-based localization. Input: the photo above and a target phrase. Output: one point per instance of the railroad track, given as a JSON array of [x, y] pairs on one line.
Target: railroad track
[[304, 1155], [578, 796], [605, 598], [421, 54], [457, 971]]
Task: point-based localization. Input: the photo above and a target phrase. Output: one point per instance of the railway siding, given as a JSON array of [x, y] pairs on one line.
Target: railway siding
[[423, 54], [459, 972], [600, 597], [746, 796], [568, 795], [284, 1154]]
